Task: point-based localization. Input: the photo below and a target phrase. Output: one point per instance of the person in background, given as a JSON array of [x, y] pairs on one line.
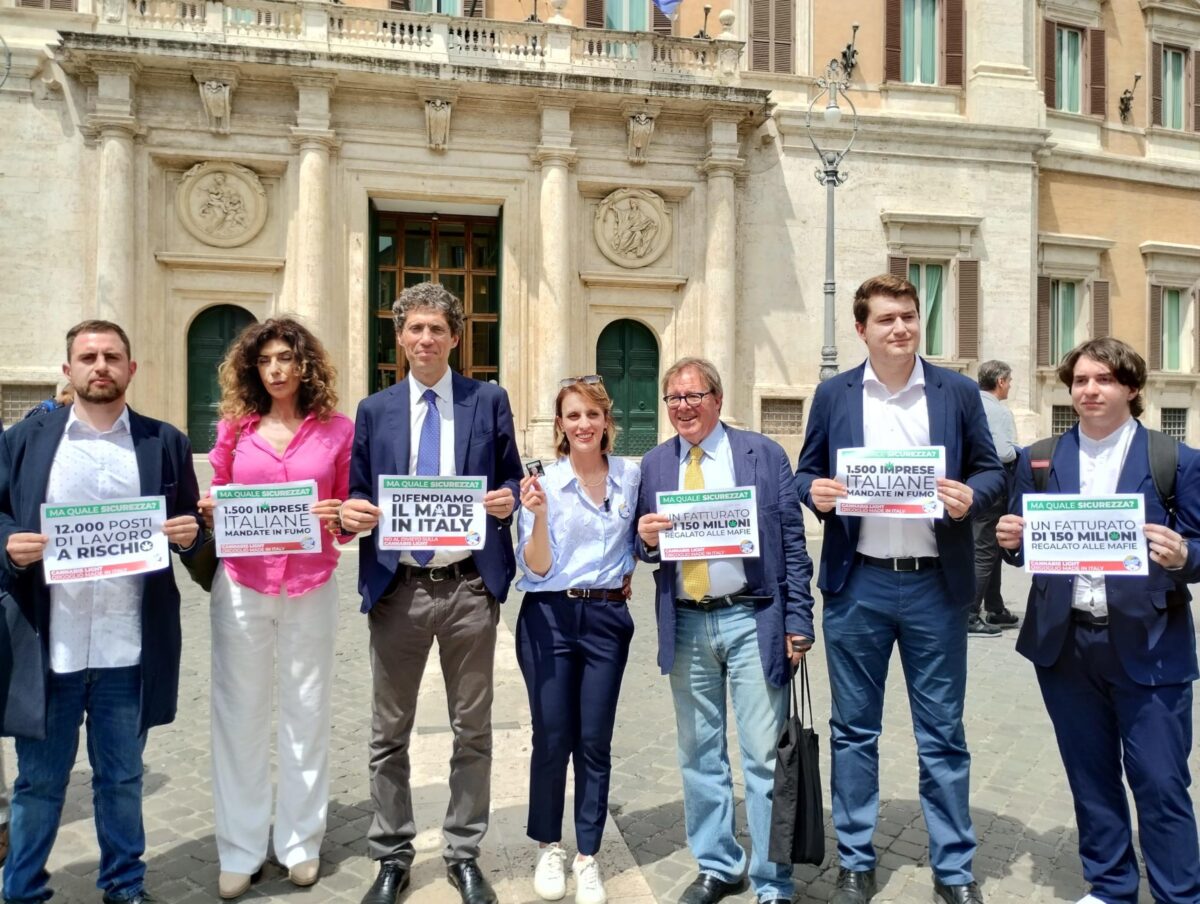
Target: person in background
[[575, 547], [63, 398], [275, 615]]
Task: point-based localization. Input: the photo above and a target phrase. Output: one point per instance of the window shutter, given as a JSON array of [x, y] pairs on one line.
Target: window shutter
[[1049, 59], [473, 9], [968, 308], [760, 35], [1101, 324], [955, 41], [595, 13], [1156, 111], [898, 266], [1195, 95], [67, 6], [1097, 53], [892, 40], [1155, 337], [781, 36], [662, 22], [398, 6], [1043, 321]]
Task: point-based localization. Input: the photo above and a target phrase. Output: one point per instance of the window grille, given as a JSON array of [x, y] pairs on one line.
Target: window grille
[[18, 398], [1173, 422], [782, 417], [1062, 419]]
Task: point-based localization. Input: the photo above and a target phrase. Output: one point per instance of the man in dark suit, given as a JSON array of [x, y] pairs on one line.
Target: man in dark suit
[[727, 624], [106, 649], [890, 582], [1116, 657], [433, 422]]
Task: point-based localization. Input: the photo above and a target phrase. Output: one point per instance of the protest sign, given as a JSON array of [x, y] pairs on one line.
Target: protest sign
[[1074, 534], [895, 483], [432, 512], [709, 524], [266, 520], [104, 539]]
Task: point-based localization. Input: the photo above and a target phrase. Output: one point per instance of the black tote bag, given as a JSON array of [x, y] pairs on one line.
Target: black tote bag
[[797, 810]]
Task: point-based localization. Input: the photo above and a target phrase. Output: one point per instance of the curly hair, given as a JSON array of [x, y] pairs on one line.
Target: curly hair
[[242, 391]]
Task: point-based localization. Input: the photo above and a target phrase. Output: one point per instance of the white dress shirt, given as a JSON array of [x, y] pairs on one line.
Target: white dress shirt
[[418, 408], [895, 421], [725, 576], [1100, 464], [95, 624]]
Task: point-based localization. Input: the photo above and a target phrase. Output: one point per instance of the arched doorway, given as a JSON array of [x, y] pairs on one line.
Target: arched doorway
[[627, 358], [208, 338]]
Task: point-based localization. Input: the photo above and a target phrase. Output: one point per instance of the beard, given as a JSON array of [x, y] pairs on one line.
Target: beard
[[100, 394]]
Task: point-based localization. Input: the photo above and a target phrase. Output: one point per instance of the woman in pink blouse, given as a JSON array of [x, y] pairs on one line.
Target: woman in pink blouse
[[275, 614]]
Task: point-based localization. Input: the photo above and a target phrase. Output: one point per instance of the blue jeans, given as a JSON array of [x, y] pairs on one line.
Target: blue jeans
[[714, 651], [110, 699], [876, 610]]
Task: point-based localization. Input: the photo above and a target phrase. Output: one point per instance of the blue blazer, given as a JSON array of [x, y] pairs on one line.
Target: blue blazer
[[1151, 622], [956, 421], [485, 445], [27, 451], [783, 569]]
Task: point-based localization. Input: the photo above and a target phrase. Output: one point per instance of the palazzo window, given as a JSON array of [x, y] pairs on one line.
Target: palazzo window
[[1064, 317], [1075, 77], [1172, 328], [1072, 302], [924, 42], [919, 42], [771, 35], [930, 282]]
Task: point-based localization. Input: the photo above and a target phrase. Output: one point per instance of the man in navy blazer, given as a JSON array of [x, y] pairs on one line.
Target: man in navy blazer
[[743, 626], [433, 422], [906, 582], [108, 649], [1116, 656]]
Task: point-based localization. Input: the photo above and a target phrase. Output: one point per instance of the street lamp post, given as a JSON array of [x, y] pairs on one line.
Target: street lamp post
[[835, 82]]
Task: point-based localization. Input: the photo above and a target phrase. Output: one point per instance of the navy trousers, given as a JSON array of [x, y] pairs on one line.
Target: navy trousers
[[1101, 719], [572, 654]]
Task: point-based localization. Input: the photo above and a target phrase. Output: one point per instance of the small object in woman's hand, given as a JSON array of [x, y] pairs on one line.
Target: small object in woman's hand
[[535, 468]]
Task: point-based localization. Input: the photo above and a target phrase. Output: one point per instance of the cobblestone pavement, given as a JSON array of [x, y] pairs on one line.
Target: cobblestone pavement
[[1021, 805]]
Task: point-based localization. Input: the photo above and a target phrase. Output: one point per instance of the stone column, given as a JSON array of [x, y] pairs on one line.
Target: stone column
[[553, 326], [720, 316], [310, 264]]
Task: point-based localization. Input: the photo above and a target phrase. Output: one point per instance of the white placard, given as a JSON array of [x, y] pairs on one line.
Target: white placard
[[893, 483], [431, 512], [709, 524], [99, 540], [1069, 533], [266, 519]]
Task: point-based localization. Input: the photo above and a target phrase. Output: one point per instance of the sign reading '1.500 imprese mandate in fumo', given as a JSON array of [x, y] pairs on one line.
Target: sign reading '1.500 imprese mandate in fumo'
[[896, 483], [104, 539], [432, 512], [1074, 534], [709, 524], [269, 519]]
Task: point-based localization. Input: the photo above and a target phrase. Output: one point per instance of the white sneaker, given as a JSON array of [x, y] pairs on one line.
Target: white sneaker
[[1089, 899], [589, 887], [550, 878]]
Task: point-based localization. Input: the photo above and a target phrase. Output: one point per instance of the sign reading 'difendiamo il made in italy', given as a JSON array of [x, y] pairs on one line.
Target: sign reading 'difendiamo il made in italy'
[[266, 520], [104, 539], [1075, 534], [709, 524], [896, 483], [432, 512]]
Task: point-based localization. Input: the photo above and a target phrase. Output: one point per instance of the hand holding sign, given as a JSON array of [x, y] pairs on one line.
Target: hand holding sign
[[897, 483], [1167, 548], [1070, 533], [710, 524], [433, 512]]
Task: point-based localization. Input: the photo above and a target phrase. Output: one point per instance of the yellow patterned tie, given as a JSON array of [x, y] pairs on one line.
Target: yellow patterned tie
[[695, 573]]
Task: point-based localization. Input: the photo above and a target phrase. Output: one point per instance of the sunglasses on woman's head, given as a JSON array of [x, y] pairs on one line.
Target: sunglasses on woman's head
[[590, 379]]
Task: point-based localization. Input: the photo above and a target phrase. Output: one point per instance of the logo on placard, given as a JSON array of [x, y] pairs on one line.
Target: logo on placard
[[1132, 563], [747, 547], [473, 538]]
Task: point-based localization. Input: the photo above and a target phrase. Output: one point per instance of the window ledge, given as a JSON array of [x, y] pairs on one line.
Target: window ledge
[[1075, 128], [914, 98], [1173, 143]]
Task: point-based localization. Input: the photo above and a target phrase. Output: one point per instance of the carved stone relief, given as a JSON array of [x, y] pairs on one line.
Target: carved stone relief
[[640, 128], [437, 123], [221, 204], [632, 227], [217, 100]]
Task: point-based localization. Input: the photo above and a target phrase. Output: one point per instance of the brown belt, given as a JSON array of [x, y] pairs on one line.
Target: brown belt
[[612, 596]]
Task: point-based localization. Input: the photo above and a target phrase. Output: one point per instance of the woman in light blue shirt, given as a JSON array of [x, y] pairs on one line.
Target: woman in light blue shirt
[[575, 547]]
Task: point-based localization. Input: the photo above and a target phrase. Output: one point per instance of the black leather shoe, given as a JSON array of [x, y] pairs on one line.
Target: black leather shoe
[[957, 894], [392, 879], [472, 886], [854, 887], [141, 897], [709, 890]]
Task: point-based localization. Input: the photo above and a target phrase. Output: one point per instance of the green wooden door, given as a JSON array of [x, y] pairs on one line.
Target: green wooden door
[[208, 339], [627, 358]]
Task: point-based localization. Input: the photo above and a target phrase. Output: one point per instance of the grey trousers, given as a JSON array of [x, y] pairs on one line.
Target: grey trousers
[[462, 617]]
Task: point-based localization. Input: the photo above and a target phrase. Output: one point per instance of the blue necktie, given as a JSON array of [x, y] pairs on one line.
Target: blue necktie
[[429, 455]]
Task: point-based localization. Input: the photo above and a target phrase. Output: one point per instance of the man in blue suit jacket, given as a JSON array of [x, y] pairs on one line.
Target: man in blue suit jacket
[[908, 582], [736, 623], [105, 649], [433, 422], [1116, 657]]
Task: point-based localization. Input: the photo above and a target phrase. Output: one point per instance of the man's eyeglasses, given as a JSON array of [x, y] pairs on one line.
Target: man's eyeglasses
[[692, 398], [589, 379]]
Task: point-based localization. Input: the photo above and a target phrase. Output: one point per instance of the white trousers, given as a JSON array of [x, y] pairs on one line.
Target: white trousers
[[255, 638]]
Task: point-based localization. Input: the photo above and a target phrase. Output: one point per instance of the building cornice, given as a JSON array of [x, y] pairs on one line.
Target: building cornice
[[1083, 162]]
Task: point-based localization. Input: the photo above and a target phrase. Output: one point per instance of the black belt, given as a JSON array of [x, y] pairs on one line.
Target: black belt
[[455, 571], [711, 603], [912, 563], [612, 596], [1083, 617]]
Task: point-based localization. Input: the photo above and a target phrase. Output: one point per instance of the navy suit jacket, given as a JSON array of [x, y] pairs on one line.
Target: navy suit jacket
[[783, 570], [27, 451], [956, 421], [485, 445], [1151, 622]]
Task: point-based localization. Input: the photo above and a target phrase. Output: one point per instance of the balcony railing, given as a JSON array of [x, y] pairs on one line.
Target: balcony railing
[[315, 25]]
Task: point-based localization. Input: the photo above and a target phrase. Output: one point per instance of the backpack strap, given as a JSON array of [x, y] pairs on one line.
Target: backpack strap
[[1041, 453], [1164, 462]]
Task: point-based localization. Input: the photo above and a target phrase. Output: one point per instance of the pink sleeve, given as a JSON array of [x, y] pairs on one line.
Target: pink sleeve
[[221, 455], [341, 473]]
